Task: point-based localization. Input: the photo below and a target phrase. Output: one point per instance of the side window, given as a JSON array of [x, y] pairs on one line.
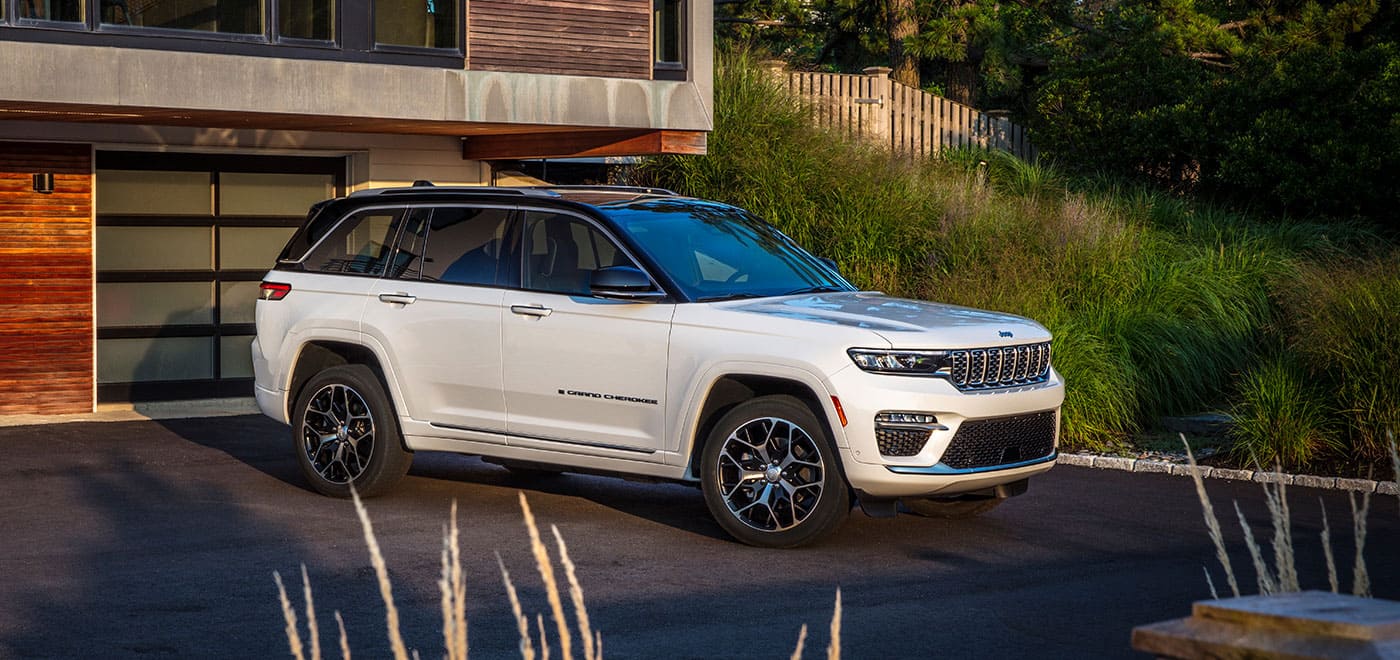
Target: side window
[[561, 253], [466, 245], [359, 245], [407, 263]]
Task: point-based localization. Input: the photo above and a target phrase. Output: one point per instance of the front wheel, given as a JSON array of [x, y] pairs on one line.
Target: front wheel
[[770, 474], [345, 433]]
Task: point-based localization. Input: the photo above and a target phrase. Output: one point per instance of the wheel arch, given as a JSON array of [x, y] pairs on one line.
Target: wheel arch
[[730, 389], [318, 355]]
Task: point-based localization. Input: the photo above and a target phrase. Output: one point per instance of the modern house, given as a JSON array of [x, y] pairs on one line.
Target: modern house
[[156, 154]]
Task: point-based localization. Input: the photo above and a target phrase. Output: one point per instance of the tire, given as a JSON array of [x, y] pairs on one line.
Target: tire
[[951, 508], [771, 476], [345, 432]]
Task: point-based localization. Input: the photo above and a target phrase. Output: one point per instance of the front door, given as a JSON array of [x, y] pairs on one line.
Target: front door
[[579, 370]]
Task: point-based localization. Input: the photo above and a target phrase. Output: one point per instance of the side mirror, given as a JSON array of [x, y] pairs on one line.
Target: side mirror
[[623, 283]]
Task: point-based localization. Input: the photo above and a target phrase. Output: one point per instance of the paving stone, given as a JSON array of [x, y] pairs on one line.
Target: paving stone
[[1185, 470], [1157, 467], [1363, 485], [1311, 481], [1273, 478], [1114, 463], [1387, 488], [1234, 475], [1081, 460]]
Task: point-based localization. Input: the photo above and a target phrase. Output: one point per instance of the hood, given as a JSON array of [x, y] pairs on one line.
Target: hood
[[904, 323]]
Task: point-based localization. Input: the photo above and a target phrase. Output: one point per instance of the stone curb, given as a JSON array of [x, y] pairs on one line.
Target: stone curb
[[1143, 465]]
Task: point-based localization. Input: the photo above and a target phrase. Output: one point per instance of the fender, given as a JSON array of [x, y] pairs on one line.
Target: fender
[[688, 423]]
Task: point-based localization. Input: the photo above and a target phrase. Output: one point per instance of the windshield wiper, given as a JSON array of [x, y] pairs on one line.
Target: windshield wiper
[[820, 288], [731, 296]]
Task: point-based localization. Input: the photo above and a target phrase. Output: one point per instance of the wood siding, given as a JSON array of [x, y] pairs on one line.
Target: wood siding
[[46, 315], [607, 39]]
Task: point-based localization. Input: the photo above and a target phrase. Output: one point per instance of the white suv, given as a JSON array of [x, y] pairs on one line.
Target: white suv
[[634, 332]]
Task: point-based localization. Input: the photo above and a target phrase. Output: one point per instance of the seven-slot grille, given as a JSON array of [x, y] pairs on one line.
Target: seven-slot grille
[[981, 443], [987, 368]]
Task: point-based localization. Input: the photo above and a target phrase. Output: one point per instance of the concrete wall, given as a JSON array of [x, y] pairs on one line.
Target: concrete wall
[[375, 160]]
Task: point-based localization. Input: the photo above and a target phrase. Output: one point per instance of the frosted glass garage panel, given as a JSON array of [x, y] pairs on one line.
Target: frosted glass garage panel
[[237, 302], [128, 304], [253, 248], [162, 358], [154, 192], [243, 193], [235, 357], [155, 248]]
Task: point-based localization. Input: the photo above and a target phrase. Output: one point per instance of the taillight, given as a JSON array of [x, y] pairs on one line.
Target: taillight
[[274, 290]]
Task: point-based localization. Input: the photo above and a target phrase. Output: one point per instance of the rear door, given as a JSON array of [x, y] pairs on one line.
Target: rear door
[[581, 373], [437, 314]]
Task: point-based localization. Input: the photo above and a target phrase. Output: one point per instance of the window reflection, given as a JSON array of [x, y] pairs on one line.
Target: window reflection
[[306, 19], [225, 16], [418, 23], [69, 11]]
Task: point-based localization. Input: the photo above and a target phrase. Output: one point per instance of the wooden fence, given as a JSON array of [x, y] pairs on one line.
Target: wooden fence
[[909, 121]]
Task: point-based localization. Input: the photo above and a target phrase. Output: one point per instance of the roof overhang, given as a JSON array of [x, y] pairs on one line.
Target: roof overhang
[[500, 115]]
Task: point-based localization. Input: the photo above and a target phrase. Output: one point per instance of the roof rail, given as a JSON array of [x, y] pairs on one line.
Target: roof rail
[[632, 189], [419, 189]]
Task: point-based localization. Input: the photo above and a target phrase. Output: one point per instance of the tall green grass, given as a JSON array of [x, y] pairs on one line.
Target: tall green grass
[[1158, 305]]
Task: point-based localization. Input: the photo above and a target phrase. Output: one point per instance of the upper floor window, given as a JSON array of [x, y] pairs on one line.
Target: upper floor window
[[416, 23], [63, 11], [390, 31], [668, 37]]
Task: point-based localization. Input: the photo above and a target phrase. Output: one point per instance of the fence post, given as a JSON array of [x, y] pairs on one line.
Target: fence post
[[878, 113]]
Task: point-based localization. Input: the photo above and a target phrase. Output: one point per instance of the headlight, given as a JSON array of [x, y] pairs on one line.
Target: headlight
[[911, 363]]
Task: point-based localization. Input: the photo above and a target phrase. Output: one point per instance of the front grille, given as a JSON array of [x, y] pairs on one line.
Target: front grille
[[1008, 366], [981, 443], [900, 442]]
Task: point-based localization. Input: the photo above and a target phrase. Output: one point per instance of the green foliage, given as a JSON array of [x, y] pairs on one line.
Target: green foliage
[[1158, 305], [1345, 325], [1282, 418]]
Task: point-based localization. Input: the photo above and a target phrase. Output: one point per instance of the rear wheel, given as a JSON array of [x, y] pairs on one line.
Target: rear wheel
[[770, 474], [345, 433]]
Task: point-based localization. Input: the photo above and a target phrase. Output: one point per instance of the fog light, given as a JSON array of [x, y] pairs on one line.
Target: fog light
[[905, 418]]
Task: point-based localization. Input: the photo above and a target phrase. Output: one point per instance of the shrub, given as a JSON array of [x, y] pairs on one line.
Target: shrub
[[1282, 418]]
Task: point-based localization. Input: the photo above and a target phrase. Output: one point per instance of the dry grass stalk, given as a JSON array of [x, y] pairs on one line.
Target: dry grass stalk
[[801, 643], [453, 589], [551, 587], [833, 650], [311, 630], [1261, 568], [1360, 577], [386, 589], [1210, 583], [1327, 550], [459, 591], [585, 630], [544, 641], [527, 648], [344, 639], [290, 615], [1276, 499], [1212, 523]]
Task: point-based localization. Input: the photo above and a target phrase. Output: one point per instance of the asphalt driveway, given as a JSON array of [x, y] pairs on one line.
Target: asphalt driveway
[[159, 539]]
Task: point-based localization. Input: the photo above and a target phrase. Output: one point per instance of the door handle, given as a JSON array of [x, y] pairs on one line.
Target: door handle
[[400, 298], [531, 310]]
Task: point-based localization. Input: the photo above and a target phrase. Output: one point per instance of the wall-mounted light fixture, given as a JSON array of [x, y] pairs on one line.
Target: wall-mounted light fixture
[[43, 183]]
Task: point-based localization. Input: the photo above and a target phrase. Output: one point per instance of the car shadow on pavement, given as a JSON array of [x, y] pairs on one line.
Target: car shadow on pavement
[[264, 445]]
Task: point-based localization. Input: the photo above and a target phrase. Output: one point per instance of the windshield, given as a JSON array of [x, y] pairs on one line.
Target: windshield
[[717, 252]]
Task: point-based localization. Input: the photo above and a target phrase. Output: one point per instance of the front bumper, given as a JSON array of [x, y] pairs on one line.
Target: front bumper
[[863, 395]]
